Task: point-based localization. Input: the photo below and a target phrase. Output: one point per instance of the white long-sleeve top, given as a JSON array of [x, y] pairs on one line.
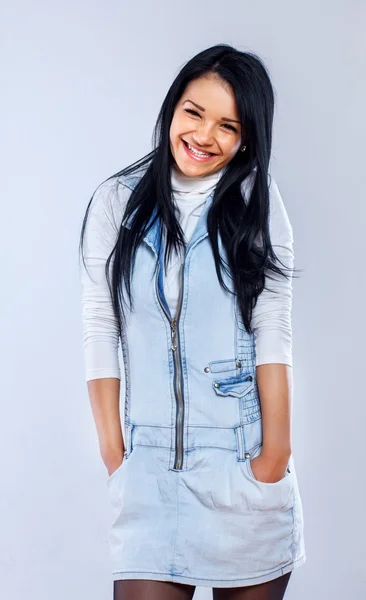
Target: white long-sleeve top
[[271, 319]]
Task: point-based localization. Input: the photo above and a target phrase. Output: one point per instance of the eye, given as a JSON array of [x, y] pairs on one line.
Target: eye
[[231, 127], [191, 111]]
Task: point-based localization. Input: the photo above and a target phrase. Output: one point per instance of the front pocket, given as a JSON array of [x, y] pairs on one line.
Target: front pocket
[[119, 468], [269, 495], [116, 484], [249, 466], [236, 386]]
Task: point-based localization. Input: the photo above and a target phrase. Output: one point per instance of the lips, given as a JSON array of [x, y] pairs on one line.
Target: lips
[[198, 150]]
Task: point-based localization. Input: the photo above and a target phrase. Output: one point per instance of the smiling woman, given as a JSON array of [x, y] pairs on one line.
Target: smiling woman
[[188, 262], [201, 139]]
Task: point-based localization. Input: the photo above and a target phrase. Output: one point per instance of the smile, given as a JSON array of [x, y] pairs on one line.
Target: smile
[[197, 154]]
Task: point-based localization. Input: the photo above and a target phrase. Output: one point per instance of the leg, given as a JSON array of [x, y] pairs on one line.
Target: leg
[[146, 589], [270, 590]]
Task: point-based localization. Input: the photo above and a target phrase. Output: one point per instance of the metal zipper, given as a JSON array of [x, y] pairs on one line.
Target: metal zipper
[[178, 380]]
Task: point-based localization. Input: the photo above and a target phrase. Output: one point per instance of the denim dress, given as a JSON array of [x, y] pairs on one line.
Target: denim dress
[[186, 505]]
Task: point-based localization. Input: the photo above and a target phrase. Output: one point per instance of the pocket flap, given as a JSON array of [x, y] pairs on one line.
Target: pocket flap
[[237, 386]]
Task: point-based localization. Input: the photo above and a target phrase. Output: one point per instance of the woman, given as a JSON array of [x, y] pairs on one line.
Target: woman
[[189, 261]]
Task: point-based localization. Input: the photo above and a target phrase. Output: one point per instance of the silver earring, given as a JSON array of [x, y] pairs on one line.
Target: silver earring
[[243, 148]]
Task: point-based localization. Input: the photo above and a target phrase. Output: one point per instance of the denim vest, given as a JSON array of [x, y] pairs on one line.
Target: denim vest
[[188, 507], [192, 374]]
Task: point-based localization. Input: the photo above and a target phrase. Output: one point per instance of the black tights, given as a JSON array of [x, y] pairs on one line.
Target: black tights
[[140, 589]]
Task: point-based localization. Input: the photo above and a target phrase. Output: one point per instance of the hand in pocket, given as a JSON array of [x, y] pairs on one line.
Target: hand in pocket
[[114, 463], [266, 470]]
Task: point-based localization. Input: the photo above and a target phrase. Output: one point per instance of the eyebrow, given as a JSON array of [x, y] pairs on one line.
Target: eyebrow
[[203, 110]]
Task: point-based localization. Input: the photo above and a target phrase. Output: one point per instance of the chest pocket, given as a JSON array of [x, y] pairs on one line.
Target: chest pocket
[[242, 387], [220, 366]]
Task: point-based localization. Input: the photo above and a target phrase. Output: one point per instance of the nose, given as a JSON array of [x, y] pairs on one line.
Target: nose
[[203, 135]]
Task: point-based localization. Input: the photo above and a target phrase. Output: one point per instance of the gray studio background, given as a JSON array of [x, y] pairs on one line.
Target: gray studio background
[[82, 84]]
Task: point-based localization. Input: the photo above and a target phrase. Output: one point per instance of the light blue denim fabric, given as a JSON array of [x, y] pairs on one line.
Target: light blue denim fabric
[[187, 507]]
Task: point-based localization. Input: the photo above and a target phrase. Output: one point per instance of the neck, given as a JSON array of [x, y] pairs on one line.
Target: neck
[[197, 183]]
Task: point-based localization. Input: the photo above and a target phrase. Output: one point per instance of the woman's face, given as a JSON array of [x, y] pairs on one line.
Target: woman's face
[[206, 120]]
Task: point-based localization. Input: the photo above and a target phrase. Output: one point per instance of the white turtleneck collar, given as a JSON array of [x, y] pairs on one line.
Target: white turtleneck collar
[[185, 184]]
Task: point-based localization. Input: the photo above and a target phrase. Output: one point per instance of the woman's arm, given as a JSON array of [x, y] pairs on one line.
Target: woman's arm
[[104, 399], [100, 328], [275, 392], [271, 324]]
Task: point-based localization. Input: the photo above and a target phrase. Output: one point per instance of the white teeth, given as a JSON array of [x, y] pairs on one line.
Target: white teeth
[[197, 152]]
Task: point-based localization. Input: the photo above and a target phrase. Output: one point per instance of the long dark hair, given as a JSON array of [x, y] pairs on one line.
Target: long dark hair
[[243, 226]]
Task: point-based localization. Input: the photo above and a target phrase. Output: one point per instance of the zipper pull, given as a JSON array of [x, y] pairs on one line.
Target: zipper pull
[[173, 323]]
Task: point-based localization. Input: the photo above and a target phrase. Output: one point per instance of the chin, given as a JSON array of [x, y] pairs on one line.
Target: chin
[[192, 169]]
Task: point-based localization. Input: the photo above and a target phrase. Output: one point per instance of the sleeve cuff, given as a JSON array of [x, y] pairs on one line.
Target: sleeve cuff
[[285, 359], [102, 374]]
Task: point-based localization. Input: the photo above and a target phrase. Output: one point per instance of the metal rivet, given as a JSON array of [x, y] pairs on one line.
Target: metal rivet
[[250, 378], [247, 455], [206, 369], [216, 385], [238, 363]]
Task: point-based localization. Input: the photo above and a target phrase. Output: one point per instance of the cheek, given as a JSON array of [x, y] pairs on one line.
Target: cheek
[[174, 133], [179, 126], [231, 148]]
